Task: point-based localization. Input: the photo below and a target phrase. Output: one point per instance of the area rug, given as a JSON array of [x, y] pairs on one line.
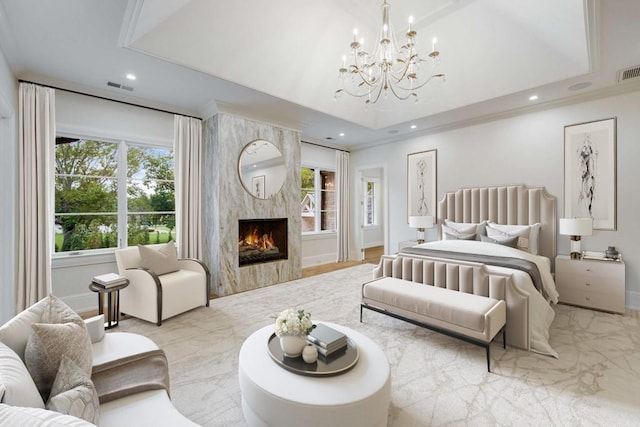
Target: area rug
[[436, 380]]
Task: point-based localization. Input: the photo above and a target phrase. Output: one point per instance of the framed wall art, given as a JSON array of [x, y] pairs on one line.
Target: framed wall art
[[257, 183], [590, 172], [421, 184]]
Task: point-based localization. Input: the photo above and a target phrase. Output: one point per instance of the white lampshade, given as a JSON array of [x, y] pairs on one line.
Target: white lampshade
[[421, 221], [576, 226]]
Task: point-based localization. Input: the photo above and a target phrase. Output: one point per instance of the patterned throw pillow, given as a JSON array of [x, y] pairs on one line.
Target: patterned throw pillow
[[59, 312], [73, 393], [161, 261], [511, 241], [527, 235], [459, 236], [46, 346]]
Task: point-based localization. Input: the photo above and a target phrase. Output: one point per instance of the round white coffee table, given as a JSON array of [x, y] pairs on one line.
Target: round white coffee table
[[274, 396]]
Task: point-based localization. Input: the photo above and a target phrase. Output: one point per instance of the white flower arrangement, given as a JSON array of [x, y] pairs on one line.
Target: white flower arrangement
[[293, 322]]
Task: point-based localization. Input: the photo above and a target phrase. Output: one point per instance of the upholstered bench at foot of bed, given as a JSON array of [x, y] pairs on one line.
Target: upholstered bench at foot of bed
[[472, 318]]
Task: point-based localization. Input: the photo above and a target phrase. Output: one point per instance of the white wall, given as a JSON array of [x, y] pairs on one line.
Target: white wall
[[320, 248], [8, 185], [81, 115], [527, 149]]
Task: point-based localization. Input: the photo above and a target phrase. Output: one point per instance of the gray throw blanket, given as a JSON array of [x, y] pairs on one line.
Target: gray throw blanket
[[516, 263], [132, 374]]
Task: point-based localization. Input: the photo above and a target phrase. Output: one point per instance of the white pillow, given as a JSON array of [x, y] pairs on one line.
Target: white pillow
[[162, 260], [16, 331], [449, 233], [465, 228], [16, 385], [527, 234], [37, 417]]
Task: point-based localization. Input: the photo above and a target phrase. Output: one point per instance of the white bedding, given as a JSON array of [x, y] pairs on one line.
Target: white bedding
[[541, 313]]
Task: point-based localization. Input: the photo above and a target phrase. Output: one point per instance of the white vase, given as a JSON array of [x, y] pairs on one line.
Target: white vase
[[310, 353], [292, 345]]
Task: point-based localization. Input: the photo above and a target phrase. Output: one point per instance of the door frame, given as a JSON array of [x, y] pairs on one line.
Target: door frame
[[358, 210]]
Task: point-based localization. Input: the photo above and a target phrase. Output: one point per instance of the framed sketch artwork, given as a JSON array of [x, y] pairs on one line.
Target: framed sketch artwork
[[421, 184], [590, 172], [258, 186]]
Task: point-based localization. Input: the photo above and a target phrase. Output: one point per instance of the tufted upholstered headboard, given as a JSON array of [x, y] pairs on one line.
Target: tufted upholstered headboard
[[517, 205]]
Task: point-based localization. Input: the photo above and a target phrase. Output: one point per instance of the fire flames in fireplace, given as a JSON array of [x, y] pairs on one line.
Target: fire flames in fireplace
[[253, 241], [262, 240]]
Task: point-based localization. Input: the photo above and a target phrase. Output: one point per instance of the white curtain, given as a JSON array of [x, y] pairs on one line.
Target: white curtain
[[36, 139], [342, 204], [187, 144]]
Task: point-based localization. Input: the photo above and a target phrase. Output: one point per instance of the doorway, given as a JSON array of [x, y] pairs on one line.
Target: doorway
[[371, 213]]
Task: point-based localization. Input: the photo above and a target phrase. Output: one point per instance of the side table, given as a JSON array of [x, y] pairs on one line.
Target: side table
[[113, 306], [593, 284]]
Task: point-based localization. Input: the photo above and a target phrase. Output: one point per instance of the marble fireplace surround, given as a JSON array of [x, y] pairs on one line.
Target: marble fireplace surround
[[225, 202]]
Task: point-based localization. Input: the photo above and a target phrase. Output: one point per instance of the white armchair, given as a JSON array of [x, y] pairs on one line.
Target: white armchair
[[155, 297]]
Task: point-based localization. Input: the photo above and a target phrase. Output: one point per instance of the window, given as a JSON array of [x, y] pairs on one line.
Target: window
[[318, 203], [370, 204], [108, 193]]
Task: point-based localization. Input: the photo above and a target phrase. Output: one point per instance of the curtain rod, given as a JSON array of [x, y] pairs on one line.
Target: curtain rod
[[108, 99], [325, 146]]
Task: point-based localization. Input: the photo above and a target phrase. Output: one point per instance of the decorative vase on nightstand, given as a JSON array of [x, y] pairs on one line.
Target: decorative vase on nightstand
[[611, 252]]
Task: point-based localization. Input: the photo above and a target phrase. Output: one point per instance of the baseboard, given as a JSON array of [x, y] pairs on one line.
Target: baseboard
[[633, 300], [373, 245], [312, 261], [82, 303]]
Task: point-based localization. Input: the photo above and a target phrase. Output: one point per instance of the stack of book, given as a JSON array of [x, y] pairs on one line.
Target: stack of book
[[327, 340], [109, 280]]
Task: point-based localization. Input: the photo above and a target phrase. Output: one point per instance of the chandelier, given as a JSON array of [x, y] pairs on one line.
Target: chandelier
[[391, 68]]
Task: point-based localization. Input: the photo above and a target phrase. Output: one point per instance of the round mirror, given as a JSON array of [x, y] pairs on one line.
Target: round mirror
[[261, 169]]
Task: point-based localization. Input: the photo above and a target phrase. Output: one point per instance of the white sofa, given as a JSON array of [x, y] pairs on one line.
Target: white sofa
[[154, 297], [129, 371]]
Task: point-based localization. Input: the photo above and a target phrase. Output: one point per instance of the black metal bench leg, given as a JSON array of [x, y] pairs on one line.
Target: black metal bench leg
[[488, 357], [360, 313], [504, 337]]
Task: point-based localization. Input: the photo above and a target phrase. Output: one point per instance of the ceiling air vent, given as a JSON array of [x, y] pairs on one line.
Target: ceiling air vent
[[119, 86], [629, 73]]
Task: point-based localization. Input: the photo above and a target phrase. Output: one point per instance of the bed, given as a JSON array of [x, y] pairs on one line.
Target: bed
[[510, 230]]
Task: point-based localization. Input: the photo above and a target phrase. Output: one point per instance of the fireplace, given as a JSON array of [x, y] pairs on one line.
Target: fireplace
[[262, 240]]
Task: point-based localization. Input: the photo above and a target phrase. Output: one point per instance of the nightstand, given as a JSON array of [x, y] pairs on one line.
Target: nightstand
[[591, 283]]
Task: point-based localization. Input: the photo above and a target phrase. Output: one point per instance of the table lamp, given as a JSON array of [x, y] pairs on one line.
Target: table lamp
[[576, 227], [421, 222]]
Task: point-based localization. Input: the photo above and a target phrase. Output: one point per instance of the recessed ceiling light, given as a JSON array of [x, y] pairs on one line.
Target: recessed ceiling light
[[533, 97], [131, 76], [413, 126], [341, 133]]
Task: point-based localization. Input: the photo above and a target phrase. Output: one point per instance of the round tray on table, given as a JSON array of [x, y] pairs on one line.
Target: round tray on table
[[335, 364]]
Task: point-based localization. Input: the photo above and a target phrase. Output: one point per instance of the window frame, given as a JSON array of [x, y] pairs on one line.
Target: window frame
[[375, 210], [122, 182]]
